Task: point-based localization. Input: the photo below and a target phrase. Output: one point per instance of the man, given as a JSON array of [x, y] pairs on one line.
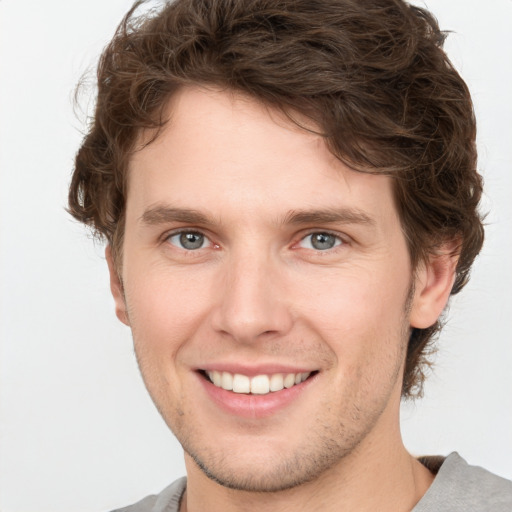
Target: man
[[289, 194]]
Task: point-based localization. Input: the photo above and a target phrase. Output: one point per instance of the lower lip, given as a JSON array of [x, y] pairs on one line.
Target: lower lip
[[255, 406]]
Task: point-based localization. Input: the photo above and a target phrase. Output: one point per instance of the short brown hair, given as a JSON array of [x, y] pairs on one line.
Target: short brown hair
[[371, 74]]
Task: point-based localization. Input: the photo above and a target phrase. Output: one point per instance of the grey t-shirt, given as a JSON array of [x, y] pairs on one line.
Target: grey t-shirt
[[457, 487]]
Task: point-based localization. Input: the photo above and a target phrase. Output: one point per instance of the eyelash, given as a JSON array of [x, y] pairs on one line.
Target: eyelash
[[169, 236], [339, 240]]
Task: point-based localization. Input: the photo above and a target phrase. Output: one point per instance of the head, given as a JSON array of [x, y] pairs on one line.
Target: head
[[368, 80], [369, 76]]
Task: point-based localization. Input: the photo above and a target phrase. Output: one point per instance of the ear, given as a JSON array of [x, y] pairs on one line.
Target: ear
[[433, 283], [116, 287]]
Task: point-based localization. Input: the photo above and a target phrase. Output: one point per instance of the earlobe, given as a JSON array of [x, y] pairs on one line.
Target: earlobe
[[116, 287], [433, 284]]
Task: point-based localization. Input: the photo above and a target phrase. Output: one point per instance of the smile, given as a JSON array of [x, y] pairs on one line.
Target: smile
[[258, 385]]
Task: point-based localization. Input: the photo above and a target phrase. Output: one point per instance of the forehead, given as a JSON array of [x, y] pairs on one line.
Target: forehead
[[222, 149]]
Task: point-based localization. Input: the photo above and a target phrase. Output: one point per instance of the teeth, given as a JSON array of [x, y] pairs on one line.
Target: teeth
[[259, 385], [276, 382], [216, 378], [289, 380], [226, 381], [241, 383]]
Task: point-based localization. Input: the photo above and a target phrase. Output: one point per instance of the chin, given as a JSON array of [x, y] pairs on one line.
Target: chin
[[285, 475], [269, 470]]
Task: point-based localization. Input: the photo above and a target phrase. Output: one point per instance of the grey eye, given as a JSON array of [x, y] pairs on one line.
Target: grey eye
[[320, 241], [188, 240]]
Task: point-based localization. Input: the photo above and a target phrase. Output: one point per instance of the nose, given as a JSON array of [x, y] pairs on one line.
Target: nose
[[252, 300]]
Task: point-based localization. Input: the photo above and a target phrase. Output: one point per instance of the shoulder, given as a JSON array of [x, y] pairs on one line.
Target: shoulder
[[460, 487], [167, 501]]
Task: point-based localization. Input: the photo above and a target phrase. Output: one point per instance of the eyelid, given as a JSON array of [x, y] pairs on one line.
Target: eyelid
[[344, 239], [178, 231]]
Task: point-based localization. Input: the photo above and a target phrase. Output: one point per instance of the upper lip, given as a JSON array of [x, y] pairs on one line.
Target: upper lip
[[253, 370]]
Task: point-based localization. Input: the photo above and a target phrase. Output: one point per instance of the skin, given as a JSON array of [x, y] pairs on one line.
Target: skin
[[258, 293]]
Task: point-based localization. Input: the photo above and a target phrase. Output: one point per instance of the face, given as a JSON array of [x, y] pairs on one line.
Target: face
[[268, 289]]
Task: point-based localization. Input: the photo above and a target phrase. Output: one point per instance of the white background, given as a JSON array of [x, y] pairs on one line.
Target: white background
[[78, 432]]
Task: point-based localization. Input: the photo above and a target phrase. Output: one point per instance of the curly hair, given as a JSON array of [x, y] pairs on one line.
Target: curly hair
[[371, 74]]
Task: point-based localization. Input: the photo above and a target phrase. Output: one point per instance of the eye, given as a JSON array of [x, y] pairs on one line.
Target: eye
[[320, 241], [189, 240]]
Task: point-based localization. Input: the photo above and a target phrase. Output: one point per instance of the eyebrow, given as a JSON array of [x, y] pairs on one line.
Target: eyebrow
[[164, 214], [329, 216]]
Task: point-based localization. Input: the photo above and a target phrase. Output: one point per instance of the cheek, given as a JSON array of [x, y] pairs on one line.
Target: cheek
[[352, 301], [165, 312], [165, 308], [361, 317]]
